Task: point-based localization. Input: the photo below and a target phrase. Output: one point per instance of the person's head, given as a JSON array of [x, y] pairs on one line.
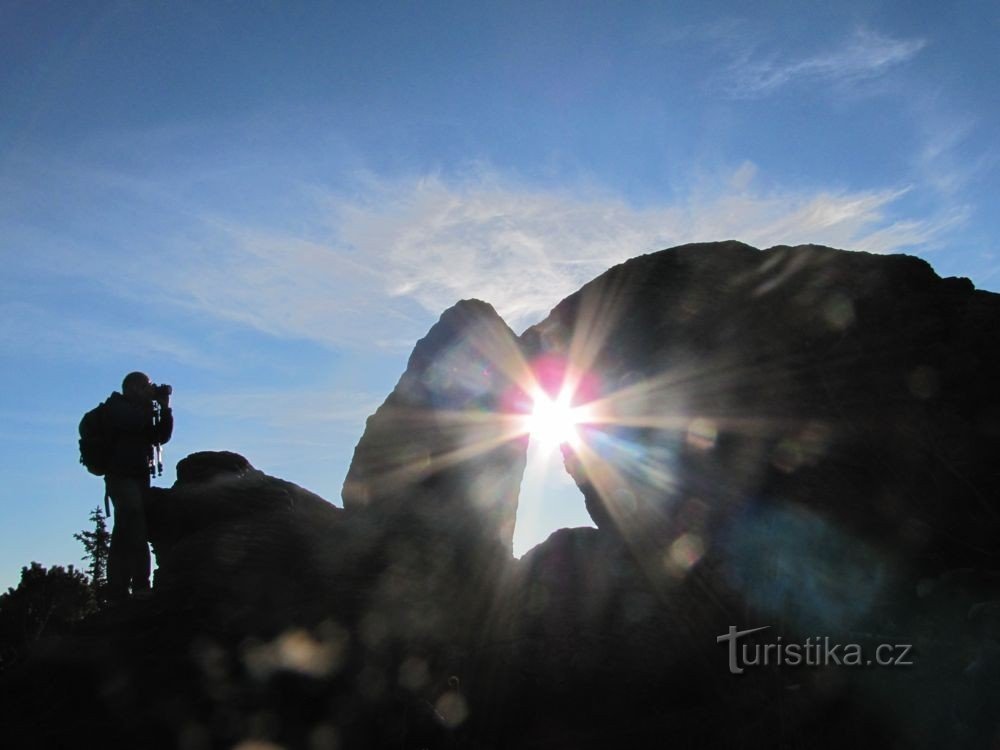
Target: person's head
[[137, 386]]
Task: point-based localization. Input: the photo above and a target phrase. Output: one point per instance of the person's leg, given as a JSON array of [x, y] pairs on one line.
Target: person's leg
[[118, 574], [128, 561], [140, 551]]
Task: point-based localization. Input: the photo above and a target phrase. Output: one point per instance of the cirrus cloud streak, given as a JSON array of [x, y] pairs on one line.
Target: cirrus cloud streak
[[403, 250]]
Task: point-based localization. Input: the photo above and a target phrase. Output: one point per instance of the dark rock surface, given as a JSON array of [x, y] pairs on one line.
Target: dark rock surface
[[247, 550], [798, 438], [436, 442], [859, 388], [434, 481], [801, 438]]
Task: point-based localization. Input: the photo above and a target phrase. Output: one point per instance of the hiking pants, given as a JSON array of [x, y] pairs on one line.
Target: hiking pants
[[128, 559]]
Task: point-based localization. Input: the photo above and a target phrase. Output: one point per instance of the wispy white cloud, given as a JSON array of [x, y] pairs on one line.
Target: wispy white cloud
[[524, 249], [950, 158], [865, 55], [280, 284], [406, 249]]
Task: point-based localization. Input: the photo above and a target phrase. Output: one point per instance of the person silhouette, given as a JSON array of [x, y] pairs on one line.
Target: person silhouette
[[138, 420]]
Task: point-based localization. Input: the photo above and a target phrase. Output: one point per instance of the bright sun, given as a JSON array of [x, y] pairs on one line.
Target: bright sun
[[552, 420]]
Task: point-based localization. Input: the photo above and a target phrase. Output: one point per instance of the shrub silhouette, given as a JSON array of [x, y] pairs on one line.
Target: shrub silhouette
[[45, 602]]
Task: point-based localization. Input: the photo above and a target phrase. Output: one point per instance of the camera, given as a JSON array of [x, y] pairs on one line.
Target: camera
[[162, 392]]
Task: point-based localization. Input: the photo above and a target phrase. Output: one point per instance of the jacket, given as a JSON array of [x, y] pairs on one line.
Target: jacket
[[132, 434]]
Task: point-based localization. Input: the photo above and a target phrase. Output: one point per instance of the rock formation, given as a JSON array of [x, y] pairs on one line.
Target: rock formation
[[801, 439], [854, 387], [435, 449]]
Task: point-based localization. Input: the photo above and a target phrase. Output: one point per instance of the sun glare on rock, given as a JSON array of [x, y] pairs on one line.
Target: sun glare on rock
[[553, 400], [553, 421]]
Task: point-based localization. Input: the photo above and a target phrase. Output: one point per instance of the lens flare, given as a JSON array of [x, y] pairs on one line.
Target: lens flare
[[552, 420], [555, 400]]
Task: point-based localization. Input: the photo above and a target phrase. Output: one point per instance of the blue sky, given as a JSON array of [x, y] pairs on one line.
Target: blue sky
[[266, 204]]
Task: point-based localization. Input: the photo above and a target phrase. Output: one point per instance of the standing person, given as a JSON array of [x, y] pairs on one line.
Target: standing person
[[138, 420]]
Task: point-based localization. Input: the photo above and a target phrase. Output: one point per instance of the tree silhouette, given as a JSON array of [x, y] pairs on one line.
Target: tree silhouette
[[45, 602], [97, 543]]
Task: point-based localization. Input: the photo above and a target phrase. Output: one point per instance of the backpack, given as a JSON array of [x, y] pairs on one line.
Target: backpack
[[95, 447]]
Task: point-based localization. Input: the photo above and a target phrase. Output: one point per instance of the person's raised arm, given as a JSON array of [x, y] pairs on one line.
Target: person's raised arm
[[165, 426]]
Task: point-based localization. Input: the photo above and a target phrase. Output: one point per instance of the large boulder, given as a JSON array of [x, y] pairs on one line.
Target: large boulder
[[848, 390], [250, 552], [433, 486], [438, 446], [801, 439]]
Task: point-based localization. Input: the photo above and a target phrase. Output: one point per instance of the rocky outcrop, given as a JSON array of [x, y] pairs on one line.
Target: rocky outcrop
[[251, 552], [433, 486], [855, 388], [800, 439], [436, 448]]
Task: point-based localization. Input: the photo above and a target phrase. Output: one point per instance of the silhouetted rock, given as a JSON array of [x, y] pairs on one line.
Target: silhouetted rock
[[433, 488], [858, 389], [207, 465], [435, 449], [254, 548], [795, 438], [801, 439]]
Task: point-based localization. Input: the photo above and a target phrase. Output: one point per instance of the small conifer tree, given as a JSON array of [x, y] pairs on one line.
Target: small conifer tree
[[97, 543]]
